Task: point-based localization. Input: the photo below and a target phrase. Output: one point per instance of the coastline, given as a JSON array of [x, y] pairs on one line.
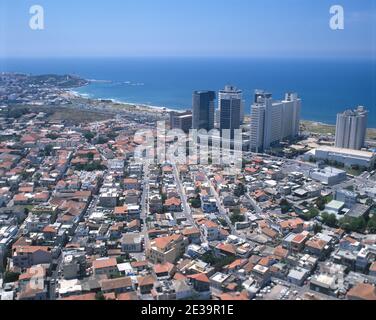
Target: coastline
[[151, 108], [160, 109], [312, 126]]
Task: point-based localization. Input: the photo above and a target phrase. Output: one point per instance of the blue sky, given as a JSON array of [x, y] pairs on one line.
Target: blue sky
[[268, 28]]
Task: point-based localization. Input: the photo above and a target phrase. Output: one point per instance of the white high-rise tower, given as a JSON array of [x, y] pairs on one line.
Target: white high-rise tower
[[351, 129], [273, 121]]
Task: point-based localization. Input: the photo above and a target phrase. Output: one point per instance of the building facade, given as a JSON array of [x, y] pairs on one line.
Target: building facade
[[351, 129], [230, 105], [347, 157], [182, 121], [273, 121], [167, 249], [203, 110]]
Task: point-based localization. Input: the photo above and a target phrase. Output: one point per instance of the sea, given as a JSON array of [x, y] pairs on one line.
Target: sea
[[326, 86]]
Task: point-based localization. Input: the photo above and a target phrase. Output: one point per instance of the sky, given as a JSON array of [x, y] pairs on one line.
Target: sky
[[223, 28]]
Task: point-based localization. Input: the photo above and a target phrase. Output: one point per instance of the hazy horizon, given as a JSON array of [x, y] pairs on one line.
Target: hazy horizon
[[166, 28]]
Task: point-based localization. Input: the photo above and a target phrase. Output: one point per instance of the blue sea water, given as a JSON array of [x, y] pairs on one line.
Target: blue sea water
[[325, 86]]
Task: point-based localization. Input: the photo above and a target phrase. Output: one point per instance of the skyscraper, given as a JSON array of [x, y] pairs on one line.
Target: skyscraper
[[230, 107], [351, 129], [203, 110], [181, 120], [273, 121]]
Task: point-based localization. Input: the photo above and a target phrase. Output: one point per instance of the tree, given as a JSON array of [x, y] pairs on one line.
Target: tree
[[93, 166], [217, 262], [371, 226], [99, 296], [223, 222], [196, 202], [102, 140], [52, 136], [24, 175], [209, 257], [285, 206], [10, 277], [317, 228], [90, 156], [320, 203], [237, 217], [329, 219], [311, 214], [240, 190], [89, 135], [350, 224], [112, 135], [48, 150]]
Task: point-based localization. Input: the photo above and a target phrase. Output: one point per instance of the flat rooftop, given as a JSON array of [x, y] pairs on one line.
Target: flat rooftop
[[352, 152]]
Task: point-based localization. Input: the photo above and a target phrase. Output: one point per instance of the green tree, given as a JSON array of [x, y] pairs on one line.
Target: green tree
[[102, 140], [237, 217], [112, 135], [90, 156], [311, 214], [11, 277], [89, 135], [93, 166], [350, 224], [329, 219], [99, 296], [320, 203], [285, 206], [48, 150], [317, 228], [217, 262], [52, 136], [371, 225], [196, 202], [240, 190]]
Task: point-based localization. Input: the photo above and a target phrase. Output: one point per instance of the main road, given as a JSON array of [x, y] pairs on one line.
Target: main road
[[186, 207], [145, 206], [223, 213]]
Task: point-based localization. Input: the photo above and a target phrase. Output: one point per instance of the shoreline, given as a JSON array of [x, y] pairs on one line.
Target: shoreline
[[86, 96], [169, 109]]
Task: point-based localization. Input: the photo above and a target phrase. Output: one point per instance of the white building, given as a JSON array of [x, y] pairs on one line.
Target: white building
[[329, 176], [351, 129], [334, 206], [348, 157], [108, 197], [273, 121], [116, 165]]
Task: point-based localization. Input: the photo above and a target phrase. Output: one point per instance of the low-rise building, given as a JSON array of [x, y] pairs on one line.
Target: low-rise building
[[347, 157], [131, 242], [328, 176], [27, 256], [167, 249], [105, 266]]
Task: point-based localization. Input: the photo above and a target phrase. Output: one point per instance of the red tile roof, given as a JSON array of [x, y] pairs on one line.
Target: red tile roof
[[201, 277], [104, 263]]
